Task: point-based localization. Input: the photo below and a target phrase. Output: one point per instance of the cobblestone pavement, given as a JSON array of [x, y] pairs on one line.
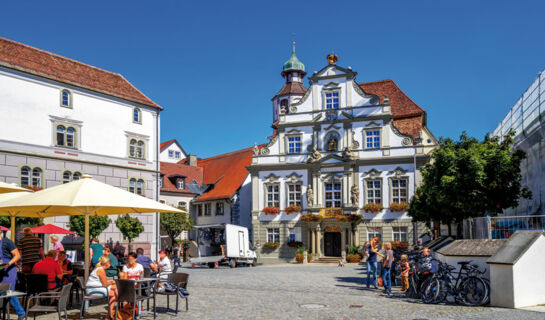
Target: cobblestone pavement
[[304, 292]]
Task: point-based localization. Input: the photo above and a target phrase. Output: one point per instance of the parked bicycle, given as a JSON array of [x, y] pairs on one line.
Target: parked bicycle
[[468, 288]]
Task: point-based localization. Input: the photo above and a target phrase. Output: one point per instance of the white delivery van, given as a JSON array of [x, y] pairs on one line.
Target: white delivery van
[[223, 244]]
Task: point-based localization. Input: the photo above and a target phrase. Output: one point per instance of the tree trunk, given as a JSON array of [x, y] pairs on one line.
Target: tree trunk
[[436, 229], [129, 246], [449, 229]]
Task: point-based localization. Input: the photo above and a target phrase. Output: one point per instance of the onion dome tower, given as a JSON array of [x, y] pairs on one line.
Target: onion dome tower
[[294, 89]]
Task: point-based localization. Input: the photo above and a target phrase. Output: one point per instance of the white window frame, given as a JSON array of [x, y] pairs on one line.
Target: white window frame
[[336, 195], [374, 232], [207, 209], [137, 115], [177, 155], [36, 177], [294, 146], [171, 154], [62, 131], [294, 197], [180, 183], [371, 133], [25, 172], [137, 186], [137, 148], [329, 102], [273, 234], [274, 201], [398, 188], [373, 198], [400, 232], [220, 208]]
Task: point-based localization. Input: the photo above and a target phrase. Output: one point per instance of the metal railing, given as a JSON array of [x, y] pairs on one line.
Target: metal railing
[[501, 227]]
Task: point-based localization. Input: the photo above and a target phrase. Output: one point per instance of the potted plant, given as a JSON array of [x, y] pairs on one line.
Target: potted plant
[[309, 217], [353, 258], [351, 218], [300, 255], [372, 207], [292, 208], [401, 246], [271, 210], [271, 245], [399, 206]]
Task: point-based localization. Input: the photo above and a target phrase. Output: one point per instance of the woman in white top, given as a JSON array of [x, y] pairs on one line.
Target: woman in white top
[[98, 279], [133, 269]]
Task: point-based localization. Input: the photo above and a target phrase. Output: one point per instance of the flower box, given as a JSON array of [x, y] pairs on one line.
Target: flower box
[[401, 246], [271, 245], [350, 218], [292, 209], [271, 210], [372, 207], [311, 218], [353, 258], [399, 206]]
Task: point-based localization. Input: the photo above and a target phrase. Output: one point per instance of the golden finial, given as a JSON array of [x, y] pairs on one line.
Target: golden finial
[[332, 58]]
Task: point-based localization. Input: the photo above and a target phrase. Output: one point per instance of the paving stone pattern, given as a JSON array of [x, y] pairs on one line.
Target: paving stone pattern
[[304, 292]]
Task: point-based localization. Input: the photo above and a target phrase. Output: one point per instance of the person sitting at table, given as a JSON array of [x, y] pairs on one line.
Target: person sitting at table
[[112, 270], [57, 245], [66, 267], [146, 262], [95, 251], [133, 269], [165, 268], [97, 278], [50, 267], [9, 256]]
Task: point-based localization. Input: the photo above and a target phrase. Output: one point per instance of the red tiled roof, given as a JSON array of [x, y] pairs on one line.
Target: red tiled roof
[[45, 64], [226, 172], [165, 144], [291, 88], [408, 116], [191, 173]]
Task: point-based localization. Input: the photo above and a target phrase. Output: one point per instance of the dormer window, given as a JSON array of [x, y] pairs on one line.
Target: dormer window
[[66, 99], [180, 184], [170, 153], [137, 115]]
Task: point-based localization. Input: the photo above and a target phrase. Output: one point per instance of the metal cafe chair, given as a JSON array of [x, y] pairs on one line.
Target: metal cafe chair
[[180, 281], [59, 308], [127, 292]]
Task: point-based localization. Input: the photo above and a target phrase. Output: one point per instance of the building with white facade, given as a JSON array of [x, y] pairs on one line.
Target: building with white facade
[[337, 146], [525, 118], [62, 118]]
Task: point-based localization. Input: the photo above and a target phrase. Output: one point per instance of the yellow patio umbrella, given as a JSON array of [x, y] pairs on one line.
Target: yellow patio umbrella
[[86, 197], [12, 213], [8, 188]]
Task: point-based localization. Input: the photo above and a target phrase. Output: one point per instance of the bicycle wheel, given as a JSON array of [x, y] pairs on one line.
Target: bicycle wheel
[[413, 287], [473, 291], [430, 292]]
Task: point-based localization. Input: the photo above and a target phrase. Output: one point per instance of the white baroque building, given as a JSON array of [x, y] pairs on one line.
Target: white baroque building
[[62, 118], [352, 144]]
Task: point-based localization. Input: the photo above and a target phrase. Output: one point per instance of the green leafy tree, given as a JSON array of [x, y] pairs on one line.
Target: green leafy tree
[[96, 225], [129, 227], [19, 221], [174, 223], [468, 178]]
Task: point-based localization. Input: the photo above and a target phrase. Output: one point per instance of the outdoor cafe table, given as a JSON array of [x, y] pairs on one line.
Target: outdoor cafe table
[[141, 281], [5, 298]]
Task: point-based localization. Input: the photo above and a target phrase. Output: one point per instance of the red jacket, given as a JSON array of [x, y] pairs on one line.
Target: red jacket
[[51, 268]]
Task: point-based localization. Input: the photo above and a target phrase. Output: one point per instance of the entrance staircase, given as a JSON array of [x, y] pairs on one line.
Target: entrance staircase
[[326, 260]]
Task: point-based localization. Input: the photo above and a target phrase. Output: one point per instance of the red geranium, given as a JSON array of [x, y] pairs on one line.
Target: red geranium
[[271, 210]]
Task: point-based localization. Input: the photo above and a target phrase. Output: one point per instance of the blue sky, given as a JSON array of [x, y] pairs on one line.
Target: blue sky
[[215, 65]]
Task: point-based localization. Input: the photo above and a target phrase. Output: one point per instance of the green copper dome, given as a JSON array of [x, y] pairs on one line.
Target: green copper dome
[[293, 63]]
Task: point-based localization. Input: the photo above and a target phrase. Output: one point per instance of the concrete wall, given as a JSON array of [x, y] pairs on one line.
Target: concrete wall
[[478, 260]]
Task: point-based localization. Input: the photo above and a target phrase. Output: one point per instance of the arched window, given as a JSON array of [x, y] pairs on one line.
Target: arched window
[[182, 204], [140, 187], [136, 115], [25, 176], [132, 148], [37, 177], [61, 131], [66, 177], [132, 185], [66, 98], [70, 133], [76, 176], [140, 150]]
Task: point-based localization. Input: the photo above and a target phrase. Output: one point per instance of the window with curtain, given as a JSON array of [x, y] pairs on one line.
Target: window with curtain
[[374, 191], [333, 195], [294, 194], [273, 234], [399, 190], [273, 195]]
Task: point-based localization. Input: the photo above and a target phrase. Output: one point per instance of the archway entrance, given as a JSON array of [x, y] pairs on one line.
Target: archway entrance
[[332, 244]]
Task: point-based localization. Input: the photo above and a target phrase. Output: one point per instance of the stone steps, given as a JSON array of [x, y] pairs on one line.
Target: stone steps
[[326, 260]]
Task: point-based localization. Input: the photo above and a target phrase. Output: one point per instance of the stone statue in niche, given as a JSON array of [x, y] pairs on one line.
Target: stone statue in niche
[[332, 144], [349, 155], [310, 196], [355, 195], [314, 156]]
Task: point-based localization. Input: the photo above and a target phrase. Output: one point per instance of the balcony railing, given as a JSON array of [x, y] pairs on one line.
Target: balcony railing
[[331, 212]]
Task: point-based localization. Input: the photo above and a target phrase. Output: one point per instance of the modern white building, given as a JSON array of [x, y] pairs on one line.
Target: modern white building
[[62, 118], [337, 146]]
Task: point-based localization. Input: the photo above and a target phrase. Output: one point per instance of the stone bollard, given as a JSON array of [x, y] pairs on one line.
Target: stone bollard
[[344, 256], [305, 257]]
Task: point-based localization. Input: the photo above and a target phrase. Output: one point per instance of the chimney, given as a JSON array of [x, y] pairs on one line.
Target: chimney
[[192, 160]]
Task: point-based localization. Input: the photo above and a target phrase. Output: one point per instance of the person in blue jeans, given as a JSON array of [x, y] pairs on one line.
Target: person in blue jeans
[[371, 251], [9, 256], [387, 266]]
